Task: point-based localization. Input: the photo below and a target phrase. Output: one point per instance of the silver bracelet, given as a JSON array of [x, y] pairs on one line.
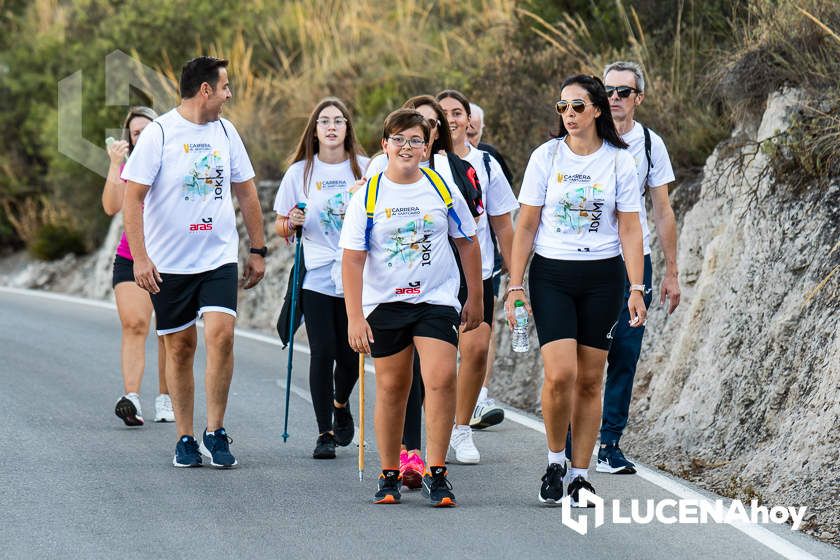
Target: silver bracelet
[[514, 289]]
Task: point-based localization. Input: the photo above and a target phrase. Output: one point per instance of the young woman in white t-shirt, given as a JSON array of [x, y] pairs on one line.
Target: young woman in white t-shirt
[[401, 284], [579, 211], [499, 202], [324, 171]]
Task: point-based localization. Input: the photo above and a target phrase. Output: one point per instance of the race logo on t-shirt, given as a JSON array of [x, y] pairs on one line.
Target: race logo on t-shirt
[[332, 215], [331, 184], [579, 211], [411, 243], [406, 211], [206, 176]]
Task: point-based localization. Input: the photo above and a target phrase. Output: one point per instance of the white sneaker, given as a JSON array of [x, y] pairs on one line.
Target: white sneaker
[[163, 409], [461, 442], [485, 414], [128, 409]]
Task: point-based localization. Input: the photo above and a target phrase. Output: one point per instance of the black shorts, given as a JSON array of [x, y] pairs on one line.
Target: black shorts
[[183, 298], [123, 271], [489, 300], [395, 325], [576, 299]]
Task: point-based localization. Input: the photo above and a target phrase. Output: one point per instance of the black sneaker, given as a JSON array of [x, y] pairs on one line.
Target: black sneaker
[[216, 445], [186, 453], [575, 486], [437, 488], [324, 447], [128, 410], [611, 460], [389, 488], [551, 491], [344, 428]]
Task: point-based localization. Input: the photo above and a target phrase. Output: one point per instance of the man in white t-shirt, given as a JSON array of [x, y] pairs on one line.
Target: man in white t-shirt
[[625, 85], [181, 227]]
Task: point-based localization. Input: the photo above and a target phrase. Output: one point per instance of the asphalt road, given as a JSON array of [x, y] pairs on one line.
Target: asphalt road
[[75, 482]]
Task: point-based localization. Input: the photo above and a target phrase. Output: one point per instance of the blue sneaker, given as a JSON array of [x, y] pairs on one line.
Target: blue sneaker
[[216, 445], [611, 460], [186, 453]]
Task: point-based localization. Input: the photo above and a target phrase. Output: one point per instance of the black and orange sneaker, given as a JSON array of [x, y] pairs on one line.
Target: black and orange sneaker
[[389, 488], [437, 488]]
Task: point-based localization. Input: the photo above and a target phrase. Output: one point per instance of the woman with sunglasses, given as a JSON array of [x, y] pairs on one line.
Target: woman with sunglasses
[[323, 173], [133, 304], [401, 284], [498, 201], [439, 157], [579, 211]]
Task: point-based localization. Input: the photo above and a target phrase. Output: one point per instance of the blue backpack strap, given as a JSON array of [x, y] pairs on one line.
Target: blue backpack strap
[[443, 191], [371, 194]]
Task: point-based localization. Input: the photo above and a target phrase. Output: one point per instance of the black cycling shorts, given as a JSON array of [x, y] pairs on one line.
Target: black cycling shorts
[[183, 298], [123, 271], [576, 299], [489, 300], [395, 325]]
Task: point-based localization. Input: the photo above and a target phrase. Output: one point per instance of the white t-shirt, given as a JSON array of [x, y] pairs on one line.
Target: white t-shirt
[[329, 195], [188, 217], [579, 196], [497, 198], [409, 258], [379, 164], [661, 172]]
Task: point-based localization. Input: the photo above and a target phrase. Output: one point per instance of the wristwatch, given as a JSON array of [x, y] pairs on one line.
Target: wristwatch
[[635, 288], [263, 251]]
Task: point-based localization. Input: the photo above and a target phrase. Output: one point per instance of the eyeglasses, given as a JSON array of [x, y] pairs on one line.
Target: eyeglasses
[[579, 105], [622, 91], [338, 122], [399, 141]]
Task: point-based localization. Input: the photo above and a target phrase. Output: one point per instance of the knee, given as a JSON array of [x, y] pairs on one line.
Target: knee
[[441, 384], [559, 381], [589, 387], [135, 325], [180, 352], [220, 340]]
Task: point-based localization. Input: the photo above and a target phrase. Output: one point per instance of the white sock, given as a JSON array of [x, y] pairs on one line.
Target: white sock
[[574, 473], [559, 457], [482, 396], [462, 427]]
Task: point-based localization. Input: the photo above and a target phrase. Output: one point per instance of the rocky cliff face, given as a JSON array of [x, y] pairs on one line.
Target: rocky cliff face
[[738, 389]]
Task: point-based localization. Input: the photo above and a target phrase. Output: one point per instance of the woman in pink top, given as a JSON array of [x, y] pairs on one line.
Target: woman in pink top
[[133, 303]]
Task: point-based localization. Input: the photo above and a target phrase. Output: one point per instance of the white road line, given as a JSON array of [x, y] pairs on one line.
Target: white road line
[[761, 535]]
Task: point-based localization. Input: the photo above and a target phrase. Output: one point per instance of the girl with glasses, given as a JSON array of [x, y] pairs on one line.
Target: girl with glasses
[[133, 303], [498, 201], [580, 212], [455, 171], [323, 173], [401, 284]]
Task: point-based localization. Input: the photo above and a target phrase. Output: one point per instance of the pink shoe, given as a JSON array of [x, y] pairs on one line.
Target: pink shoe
[[411, 470]]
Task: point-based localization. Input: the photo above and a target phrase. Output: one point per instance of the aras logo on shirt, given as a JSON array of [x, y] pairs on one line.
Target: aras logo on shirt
[[413, 289], [205, 225]]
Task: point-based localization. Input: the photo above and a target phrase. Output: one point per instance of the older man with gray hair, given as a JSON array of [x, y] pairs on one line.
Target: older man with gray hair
[[625, 85]]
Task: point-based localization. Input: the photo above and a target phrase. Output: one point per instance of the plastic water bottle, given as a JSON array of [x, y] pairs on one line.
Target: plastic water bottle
[[520, 338]]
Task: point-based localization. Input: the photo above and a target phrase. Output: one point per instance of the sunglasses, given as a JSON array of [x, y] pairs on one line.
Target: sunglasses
[[622, 91], [579, 105]]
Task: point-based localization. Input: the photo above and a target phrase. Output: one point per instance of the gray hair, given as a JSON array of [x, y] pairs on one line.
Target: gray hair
[[477, 111], [624, 65]]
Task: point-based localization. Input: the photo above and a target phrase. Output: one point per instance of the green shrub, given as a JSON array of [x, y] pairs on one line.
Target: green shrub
[[53, 241]]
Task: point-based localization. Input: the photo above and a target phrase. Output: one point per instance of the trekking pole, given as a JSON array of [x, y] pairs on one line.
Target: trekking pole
[[301, 206], [361, 415]]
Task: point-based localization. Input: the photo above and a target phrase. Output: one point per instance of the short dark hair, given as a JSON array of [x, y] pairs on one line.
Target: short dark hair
[[403, 119], [197, 71]]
